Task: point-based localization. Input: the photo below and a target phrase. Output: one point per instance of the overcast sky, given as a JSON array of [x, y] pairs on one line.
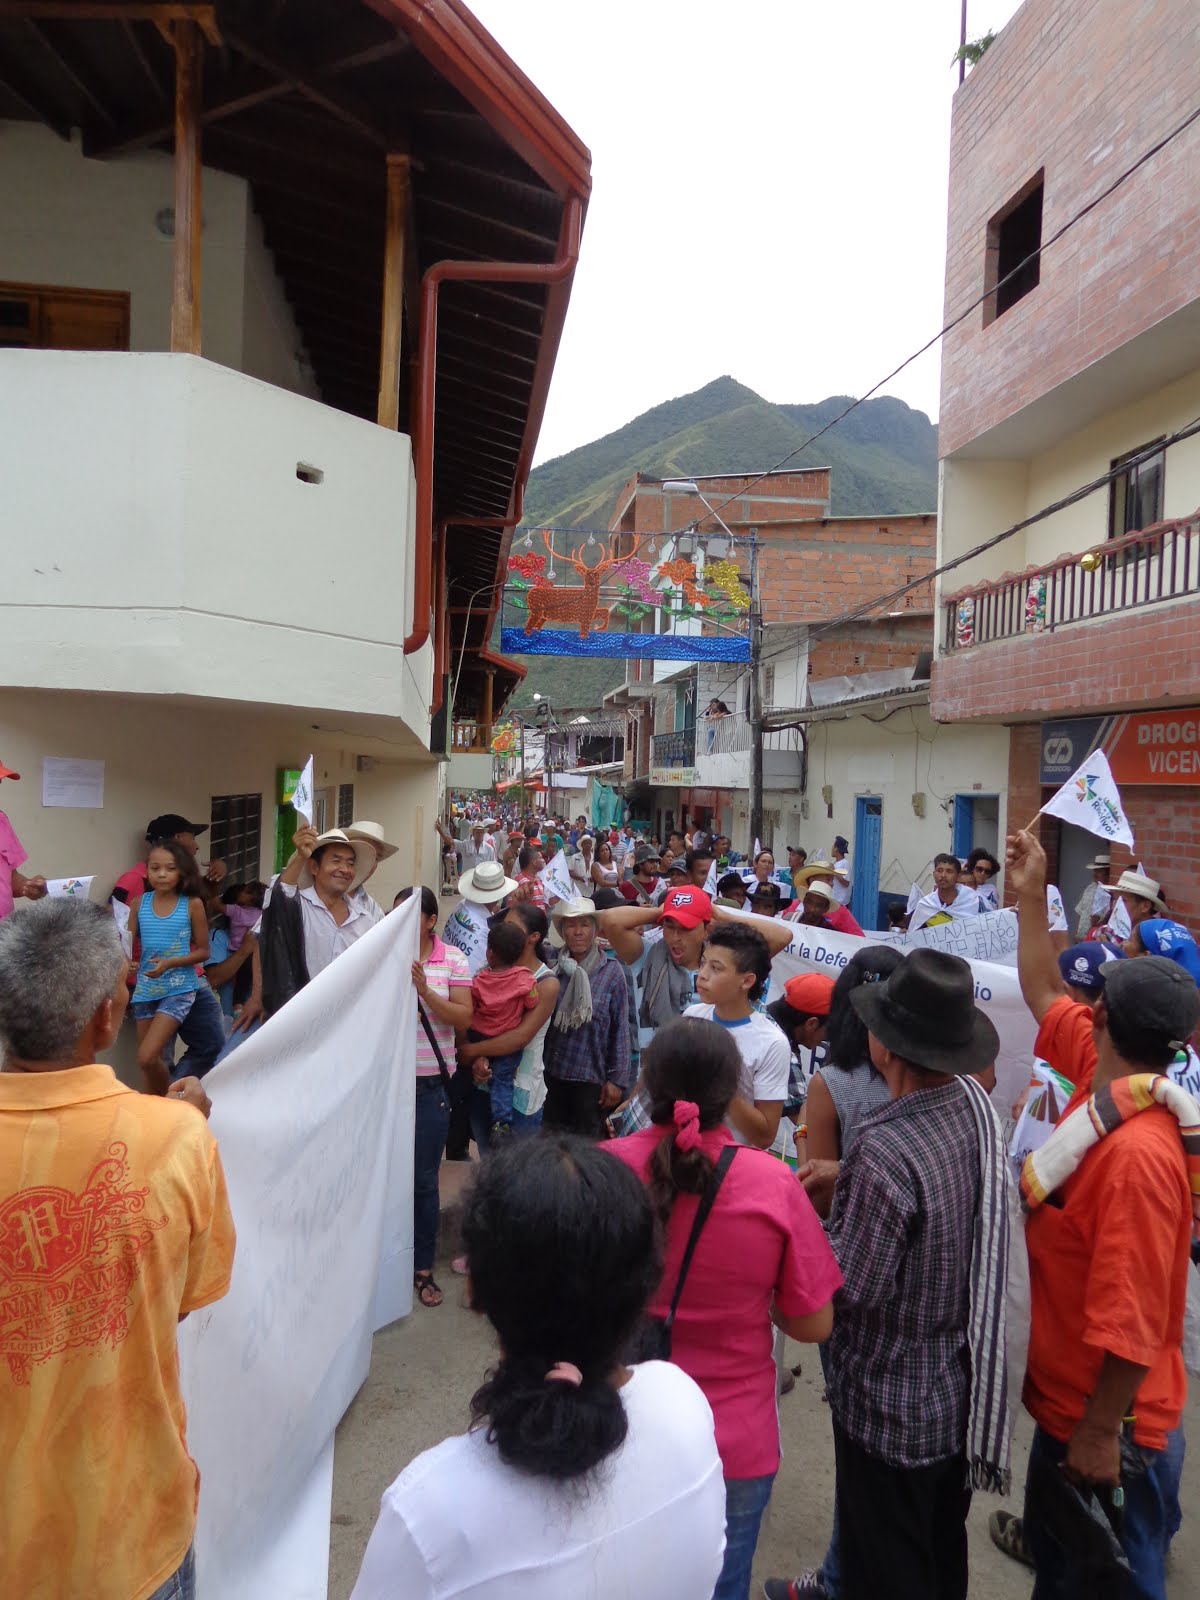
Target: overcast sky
[[769, 193]]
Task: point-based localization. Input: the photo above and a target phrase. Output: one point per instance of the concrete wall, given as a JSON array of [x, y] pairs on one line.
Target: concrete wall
[[85, 224], [162, 541], [176, 759]]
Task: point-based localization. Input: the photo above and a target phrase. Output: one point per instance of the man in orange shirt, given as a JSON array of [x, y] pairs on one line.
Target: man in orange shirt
[[114, 1224], [1108, 1256]]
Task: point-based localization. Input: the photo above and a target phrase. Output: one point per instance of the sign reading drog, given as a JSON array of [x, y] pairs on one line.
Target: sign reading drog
[[1143, 747]]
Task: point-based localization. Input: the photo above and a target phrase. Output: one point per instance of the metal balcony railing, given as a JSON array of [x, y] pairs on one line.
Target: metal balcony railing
[[676, 749], [722, 735], [1145, 568]]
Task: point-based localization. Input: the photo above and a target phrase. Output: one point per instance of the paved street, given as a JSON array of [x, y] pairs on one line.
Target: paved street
[[425, 1369]]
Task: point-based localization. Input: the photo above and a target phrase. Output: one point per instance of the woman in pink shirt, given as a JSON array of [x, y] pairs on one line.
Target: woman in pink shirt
[[761, 1258]]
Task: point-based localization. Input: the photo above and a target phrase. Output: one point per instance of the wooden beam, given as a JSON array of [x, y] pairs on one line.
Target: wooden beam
[[185, 301], [298, 82], [70, 71], [399, 199], [56, 121], [203, 15], [144, 61]]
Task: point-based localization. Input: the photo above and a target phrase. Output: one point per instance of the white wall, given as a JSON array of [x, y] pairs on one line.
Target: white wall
[[82, 224], [161, 541], [906, 755], [177, 758]]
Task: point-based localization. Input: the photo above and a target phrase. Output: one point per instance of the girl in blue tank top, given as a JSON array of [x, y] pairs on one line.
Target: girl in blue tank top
[[171, 921]]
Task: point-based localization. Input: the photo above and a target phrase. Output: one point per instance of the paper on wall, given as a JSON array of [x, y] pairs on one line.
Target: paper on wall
[[74, 783]]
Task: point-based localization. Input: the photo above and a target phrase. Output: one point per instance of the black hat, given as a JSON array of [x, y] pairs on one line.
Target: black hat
[[1157, 995], [171, 824], [926, 1012], [766, 891]]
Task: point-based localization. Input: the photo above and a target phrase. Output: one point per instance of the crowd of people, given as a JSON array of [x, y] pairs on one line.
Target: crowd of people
[[631, 1072]]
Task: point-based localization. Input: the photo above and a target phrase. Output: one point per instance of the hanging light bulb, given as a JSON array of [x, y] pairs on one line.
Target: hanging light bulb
[[528, 539], [591, 538], [651, 548]]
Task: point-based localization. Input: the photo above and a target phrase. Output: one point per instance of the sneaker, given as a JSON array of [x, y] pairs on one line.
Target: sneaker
[[500, 1131], [1007, 1535], [807, 1586]]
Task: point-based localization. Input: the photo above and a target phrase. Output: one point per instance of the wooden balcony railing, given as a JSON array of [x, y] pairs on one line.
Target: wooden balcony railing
[[1141, 569], [471, 737]]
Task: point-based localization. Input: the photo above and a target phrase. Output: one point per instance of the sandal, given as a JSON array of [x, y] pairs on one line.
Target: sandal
[[428, 1292]]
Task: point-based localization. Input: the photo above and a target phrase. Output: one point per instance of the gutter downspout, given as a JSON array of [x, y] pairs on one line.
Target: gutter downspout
[[441, 619], [550, 273]]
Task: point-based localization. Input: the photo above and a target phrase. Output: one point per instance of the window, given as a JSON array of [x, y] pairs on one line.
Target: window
[[1135, 498], [345, 805], [1013, 235], [235, 835], [33, 317]]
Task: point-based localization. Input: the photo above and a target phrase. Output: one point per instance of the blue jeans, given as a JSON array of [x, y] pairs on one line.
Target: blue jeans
[[202, 1033], [181, 1585], [432, 1123], [1150, 1500], [745, 1501], [504, 1072], [479, 1114]]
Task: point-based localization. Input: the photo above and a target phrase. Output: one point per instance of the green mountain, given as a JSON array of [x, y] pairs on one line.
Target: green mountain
[[883, 458]]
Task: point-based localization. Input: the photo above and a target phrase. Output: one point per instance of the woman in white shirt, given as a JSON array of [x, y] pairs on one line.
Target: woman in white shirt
[[580, 1477], [604, 871]]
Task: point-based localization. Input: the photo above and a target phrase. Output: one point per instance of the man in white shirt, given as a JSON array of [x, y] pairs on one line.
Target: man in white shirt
[[488, 848], [733, 975], [841, 886], [948, 900], [323, 875]]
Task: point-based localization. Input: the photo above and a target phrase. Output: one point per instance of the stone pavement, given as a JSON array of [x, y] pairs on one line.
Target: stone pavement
[[425, 1369]]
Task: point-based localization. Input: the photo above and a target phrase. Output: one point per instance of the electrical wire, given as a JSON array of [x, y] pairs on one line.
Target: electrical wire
[[954, 322]]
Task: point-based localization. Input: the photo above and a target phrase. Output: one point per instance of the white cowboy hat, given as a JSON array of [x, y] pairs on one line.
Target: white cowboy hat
[[373, 834], [485, 884], [578, 907], [1141, 887], [364, 857], [1100, 864]]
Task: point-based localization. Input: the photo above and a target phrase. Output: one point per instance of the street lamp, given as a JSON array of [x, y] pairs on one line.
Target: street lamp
[[690, 486]]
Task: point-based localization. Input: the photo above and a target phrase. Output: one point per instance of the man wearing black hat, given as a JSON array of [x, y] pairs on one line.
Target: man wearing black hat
[[919, 1227], [1108, 1235], [159, 830]]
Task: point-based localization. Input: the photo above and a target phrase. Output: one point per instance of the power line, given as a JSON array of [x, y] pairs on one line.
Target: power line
[[1034, 255], [1051, 510]]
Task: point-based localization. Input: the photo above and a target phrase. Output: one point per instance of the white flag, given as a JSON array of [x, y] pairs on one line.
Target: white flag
[[555, 876], [302, 798], [1119, 921], [120, 913], [914, 894], [68, 888], [1090, 800], [1056, 915], [757, 851], [710, 883]]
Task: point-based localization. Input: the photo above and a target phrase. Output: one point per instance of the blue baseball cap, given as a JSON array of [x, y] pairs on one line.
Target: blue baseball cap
[[1082, 965]]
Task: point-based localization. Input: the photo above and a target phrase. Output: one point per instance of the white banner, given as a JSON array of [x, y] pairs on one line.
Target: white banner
[[555, 877], [997, 990], [992, 936], [314, 1116], [467, 930]]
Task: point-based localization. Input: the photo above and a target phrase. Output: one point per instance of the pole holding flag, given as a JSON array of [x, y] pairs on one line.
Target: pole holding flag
[[1091, 800]]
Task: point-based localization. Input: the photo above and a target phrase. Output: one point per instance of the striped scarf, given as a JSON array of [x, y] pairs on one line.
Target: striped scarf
[[988, 1422], [1049, 1168]]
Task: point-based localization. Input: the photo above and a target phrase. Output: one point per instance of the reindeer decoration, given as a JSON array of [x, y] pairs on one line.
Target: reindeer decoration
[[575, 605]]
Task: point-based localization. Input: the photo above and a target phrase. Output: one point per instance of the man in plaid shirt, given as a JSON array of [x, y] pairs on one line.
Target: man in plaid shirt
[[587, 1056]]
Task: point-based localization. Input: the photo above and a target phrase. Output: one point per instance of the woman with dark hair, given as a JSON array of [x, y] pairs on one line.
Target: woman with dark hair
[[847, 1087], [982, 870], [579, 1477], [442, 980], [604, 870], [761, 1258]]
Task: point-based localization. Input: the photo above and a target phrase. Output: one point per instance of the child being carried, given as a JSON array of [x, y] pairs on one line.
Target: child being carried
[[501, 993]]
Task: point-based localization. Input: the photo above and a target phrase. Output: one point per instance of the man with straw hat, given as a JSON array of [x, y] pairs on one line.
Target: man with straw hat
[[588, 1066], [822, 876], [482, 890], [916, 1375], [372, 834], [311, 915]]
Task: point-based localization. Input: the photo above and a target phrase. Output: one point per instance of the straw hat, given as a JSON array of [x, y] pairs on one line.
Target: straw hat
[[364, 857], [580, 906], [485, 884], [814, 869], [1141, 887], [373, 834]]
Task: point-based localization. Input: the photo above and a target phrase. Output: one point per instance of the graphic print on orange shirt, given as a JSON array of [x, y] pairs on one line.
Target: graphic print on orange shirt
[[68, 1264]]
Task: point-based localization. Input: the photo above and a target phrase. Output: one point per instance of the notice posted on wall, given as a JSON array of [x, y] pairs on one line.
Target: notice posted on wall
[[68, 781]]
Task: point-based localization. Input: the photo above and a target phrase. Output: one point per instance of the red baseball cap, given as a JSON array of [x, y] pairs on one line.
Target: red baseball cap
[[810, 992], [688, 907], [7, 772]]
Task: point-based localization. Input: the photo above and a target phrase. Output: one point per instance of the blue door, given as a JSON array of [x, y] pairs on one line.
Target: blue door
[[963, 839], [868, 842]]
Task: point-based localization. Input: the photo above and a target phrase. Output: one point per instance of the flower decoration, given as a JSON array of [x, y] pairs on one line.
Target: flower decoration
[[724, 575], [504, 739], [636, 573], [529, 566]]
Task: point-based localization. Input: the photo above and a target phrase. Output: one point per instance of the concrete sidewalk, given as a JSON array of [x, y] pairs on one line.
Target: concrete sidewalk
[[425, 1369]]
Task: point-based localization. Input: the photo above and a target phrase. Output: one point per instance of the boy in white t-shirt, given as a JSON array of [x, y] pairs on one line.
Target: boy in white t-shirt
[[733, 975]]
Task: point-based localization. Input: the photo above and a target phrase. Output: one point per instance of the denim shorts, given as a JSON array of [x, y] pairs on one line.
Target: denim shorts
[[171, 1005]]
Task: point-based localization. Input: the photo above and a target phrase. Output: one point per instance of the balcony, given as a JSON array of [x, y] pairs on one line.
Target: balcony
[[472, 737], [178, 528], [673, 758], [1113, 627]]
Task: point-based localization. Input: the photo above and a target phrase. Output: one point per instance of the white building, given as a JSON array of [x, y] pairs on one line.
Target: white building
[[257, 506]]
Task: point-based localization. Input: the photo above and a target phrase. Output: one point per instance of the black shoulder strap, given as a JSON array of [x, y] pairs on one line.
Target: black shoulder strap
[[702, 1211], [437, 1049]]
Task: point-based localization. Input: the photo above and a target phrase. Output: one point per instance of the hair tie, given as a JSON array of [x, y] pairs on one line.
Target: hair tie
[[687, 1124], [565, 1372]]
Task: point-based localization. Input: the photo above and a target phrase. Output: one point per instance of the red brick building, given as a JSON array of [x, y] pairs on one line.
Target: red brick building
[[1078, 366]]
